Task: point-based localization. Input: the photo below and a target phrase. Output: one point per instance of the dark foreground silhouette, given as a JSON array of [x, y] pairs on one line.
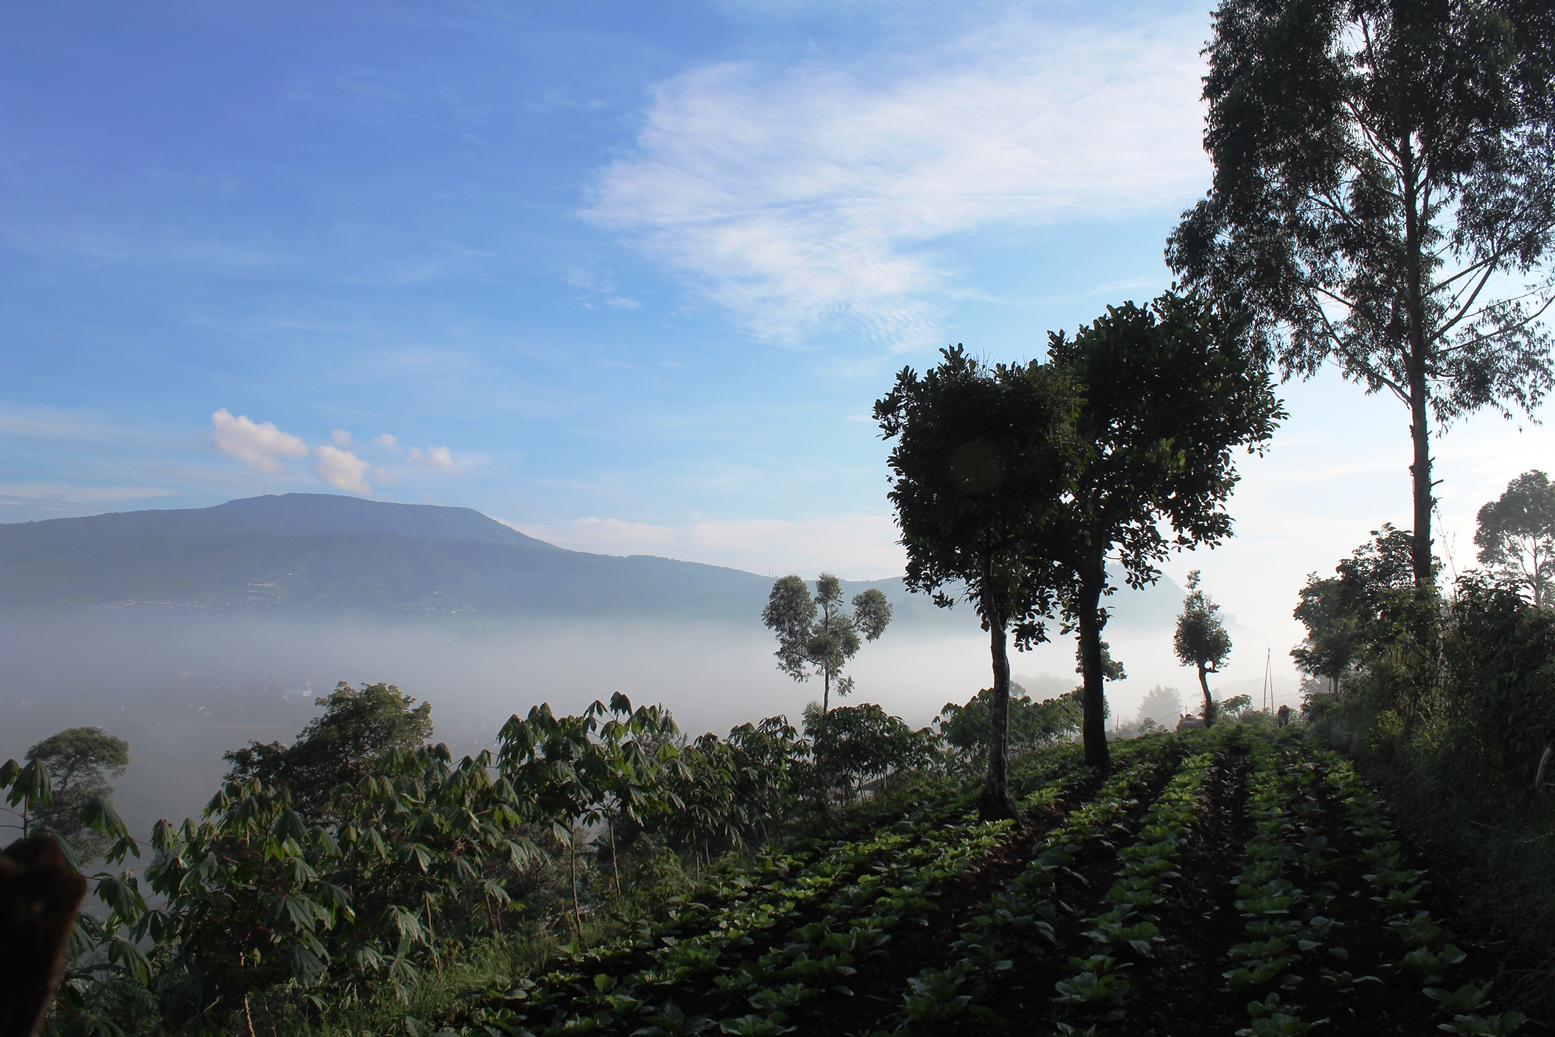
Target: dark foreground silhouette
[[39, 894]]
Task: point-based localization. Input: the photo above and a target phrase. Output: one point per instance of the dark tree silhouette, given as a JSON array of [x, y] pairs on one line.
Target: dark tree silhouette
[[1201, 640], [1516, 535], [1169, 392], [981, 459]]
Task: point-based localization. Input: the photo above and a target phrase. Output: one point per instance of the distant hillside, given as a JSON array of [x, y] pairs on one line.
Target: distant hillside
[[307, 551]]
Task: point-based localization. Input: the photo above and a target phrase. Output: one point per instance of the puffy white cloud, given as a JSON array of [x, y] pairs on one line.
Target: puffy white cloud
[[386, 442], [261, 446], [341, 437], [438, 457], [341, 469], [795, 197]]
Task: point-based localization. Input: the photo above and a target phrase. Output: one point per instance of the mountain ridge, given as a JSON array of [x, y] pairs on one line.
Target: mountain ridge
[[334, 553]]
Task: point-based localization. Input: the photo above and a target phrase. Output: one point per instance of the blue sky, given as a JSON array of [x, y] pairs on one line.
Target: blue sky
[[627, 276]]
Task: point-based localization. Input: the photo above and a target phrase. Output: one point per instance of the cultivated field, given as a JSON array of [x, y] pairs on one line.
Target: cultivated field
[[1231, 881]]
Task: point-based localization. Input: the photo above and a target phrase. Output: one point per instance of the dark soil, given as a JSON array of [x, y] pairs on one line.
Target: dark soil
[[1025, 1001], [1181, 993], [1396, 1004]]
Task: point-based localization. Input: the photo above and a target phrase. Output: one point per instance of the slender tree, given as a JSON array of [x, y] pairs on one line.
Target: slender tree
[[817, 633], [1170, 390], [1516, 535], [981, 461], [1384, 198], [1201, 640]]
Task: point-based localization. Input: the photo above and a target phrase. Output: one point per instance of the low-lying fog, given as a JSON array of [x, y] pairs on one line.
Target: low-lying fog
[[183, 687]]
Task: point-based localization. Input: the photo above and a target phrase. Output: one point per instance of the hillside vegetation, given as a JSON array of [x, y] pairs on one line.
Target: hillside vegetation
[[599, 874]]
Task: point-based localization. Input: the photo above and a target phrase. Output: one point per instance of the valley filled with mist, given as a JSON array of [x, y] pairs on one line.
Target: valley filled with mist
[[224, 663]]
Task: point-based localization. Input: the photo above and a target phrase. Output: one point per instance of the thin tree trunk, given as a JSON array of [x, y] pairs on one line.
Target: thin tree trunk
[[996, 803], [572, 866], [432, 946], [826, 693], [615, 860], [1094, 701], [1420, 471], [1419, 426], [248, 1017], [1209, 703]]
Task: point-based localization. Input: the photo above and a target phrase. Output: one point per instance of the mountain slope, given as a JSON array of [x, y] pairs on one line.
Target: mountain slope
[[291, 513], [345, 554]]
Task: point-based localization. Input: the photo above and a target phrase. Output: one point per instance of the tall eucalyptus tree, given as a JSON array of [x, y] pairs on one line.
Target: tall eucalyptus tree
[[1384, 198]]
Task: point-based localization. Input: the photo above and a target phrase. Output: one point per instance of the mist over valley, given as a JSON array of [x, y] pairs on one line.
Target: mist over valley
[[172, 630]]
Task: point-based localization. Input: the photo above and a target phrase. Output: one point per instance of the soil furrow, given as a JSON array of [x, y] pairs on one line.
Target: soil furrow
[[1179, 991]]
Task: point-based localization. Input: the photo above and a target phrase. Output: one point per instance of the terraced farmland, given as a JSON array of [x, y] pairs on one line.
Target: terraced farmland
[[1224, 882]]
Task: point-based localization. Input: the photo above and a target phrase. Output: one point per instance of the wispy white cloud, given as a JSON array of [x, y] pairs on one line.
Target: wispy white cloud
[[386, 442], [262, 446], [161, 249], [341, 437], [435, 457], [57, 423], [599, 287], [853, 546], [798, 198], [80, 494], [341, 469]]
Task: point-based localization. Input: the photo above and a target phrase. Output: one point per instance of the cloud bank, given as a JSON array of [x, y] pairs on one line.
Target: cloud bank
[[800, 198], [856, 546], [261, 446], [266, 448], [341, 469]]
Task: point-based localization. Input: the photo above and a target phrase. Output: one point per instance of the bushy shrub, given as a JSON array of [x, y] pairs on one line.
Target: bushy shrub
[[1499, 660]]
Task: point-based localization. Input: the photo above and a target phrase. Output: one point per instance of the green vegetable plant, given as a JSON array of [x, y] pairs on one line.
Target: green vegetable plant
[[1128, 927], [1020, 919], [1429, 953], [1283, 923]]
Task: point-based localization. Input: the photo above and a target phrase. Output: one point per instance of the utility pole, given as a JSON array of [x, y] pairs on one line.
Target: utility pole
[[1268, 680]]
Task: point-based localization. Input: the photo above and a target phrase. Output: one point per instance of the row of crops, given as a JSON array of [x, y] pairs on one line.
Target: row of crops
[[1220, 881]]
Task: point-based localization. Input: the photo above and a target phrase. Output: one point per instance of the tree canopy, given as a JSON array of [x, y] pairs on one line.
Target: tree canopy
[[981, 461], [1368, 602], [1384, 198], [1201, 640], [816, 632], [1516, 535], [358, 727], [1160, 704], [79, 762], [1033, 724], [853, 745], [1169, 391]]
